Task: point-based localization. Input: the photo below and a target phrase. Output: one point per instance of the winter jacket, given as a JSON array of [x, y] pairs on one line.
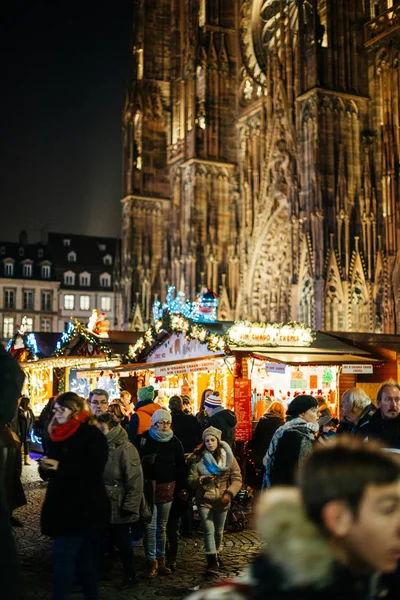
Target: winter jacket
[[76, 502], [26, 421], [290, 445], [141, 419], [163, 462], [387, 431], [297, 563], [123, 478], [42, 425], [225, 420], [209, 494], [11, 468], [346, 426], [187, 429], [263, 434]]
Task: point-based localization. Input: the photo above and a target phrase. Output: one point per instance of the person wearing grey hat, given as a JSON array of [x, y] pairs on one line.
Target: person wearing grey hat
[[292, 442]]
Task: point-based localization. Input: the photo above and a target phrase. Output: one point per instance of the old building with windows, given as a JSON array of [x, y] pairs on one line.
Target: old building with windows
[[261, 159], [28, 288], [84, 266]]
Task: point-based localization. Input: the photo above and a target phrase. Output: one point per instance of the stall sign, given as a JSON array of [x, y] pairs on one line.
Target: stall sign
[[201, 365], [260, 334], [275, 368], [358, 369], [177, 347], [242, 406], [298, 384]]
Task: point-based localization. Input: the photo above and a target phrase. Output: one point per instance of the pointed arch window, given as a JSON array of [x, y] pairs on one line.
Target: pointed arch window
[[137, 140]]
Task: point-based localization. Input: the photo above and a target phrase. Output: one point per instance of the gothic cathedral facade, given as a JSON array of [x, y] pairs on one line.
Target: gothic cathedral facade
[[261, 159]]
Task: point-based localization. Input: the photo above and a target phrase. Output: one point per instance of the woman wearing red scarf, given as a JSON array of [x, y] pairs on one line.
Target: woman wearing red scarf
[[76, 508]]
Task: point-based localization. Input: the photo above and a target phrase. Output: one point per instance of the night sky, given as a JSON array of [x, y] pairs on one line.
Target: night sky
[[65, 67]]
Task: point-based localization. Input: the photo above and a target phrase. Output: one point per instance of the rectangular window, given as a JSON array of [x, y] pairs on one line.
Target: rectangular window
[[8, 327], [29, 324], [105, 281], [47, 301], [28, 300], [46, 325], [84, 280], [105, 303], [27, 271], [46, 271], [9, 269], [69, 279], [69, 302], [9, 299], [84, 302]]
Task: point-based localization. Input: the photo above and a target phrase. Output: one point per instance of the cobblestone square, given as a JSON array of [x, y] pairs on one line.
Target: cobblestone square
[[34, 551]]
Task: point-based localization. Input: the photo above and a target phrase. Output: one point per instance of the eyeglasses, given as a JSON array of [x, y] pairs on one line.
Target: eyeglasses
[[163, 423], [99, 402], [59, 409]]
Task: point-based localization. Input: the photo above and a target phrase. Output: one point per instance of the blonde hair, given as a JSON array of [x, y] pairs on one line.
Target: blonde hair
[[126, 394], [277, 408]]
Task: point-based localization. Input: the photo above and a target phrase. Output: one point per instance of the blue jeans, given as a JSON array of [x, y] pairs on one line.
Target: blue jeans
[[213, 523], [155, 533], [75, 558]]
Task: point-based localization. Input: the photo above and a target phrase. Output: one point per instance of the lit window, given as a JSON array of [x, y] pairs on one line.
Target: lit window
[[66, 242], [71, 256], [45, 325], [105, 303], [9, 299], [46, 301], [84, 279], [105, 280], [69, 302], [8, 327], [46, 270], [9, 269], [28, 300], [27, 270], [107, 260], [69, 278], [29, 324], [84, 302]]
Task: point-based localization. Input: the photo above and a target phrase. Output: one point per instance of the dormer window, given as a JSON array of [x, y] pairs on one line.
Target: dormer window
[[21, 251], [40, 253], [105, 280], [66, 242], [102, 247], [27, 270], [84, 279], [46, 271], [9, 269], [69, 278], [71, 257], [2, 250], [107, 259]]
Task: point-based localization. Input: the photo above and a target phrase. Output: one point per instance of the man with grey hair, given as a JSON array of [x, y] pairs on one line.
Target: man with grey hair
[[356, 409], [98, 402], [384, 425]]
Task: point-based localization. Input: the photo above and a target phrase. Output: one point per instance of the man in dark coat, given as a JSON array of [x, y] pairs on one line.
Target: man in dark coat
[[221, 418], [356, 409], [186, 427], [384, 425], [11, 380]]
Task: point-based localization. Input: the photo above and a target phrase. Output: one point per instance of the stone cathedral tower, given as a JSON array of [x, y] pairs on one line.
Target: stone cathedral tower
[[261, 159]]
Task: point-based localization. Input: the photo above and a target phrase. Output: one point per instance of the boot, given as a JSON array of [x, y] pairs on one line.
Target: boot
[[162, 567], [151, 569], [212, 564], [27, 461]]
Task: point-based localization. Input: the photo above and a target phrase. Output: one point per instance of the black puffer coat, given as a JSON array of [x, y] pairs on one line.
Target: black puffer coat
[[224, 420], [76, 502], [263, 434]]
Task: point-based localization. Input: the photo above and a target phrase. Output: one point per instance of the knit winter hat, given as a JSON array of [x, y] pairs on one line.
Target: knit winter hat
[[160, 415], [213, 401], [300, 405], [212, 431], [145, 393]]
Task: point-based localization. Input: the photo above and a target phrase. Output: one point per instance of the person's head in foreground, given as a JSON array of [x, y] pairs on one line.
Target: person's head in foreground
[[351, 491]]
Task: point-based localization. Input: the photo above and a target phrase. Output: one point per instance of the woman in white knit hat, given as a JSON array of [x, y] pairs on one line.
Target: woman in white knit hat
[[215, 475], [164, 467]]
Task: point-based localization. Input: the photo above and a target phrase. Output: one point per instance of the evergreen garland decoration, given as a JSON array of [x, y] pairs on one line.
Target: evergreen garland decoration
[[76, 329]]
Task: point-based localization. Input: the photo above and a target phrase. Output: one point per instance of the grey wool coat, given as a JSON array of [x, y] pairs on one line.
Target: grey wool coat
[[123, 479]]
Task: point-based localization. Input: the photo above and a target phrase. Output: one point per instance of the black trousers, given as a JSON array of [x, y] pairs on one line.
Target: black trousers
[[27, 447], [122, 539]]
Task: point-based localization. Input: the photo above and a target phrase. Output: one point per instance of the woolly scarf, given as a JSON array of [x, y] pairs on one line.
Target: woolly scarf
[[298, 424], [59, 433], [113, 434], [161, 436], [224, 463]]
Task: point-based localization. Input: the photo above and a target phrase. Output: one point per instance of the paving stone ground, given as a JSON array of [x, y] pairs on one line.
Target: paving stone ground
[[34, 551]]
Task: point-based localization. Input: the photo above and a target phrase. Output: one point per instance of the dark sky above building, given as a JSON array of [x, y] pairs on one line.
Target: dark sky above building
[[65, 67]]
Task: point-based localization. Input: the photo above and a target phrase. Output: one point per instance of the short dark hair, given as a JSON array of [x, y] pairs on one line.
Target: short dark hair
[[98, 392], [342, 470], [386, 384], [109, 419]]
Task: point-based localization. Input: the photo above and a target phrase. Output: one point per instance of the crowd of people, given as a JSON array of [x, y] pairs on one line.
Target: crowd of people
[[329, 512]]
